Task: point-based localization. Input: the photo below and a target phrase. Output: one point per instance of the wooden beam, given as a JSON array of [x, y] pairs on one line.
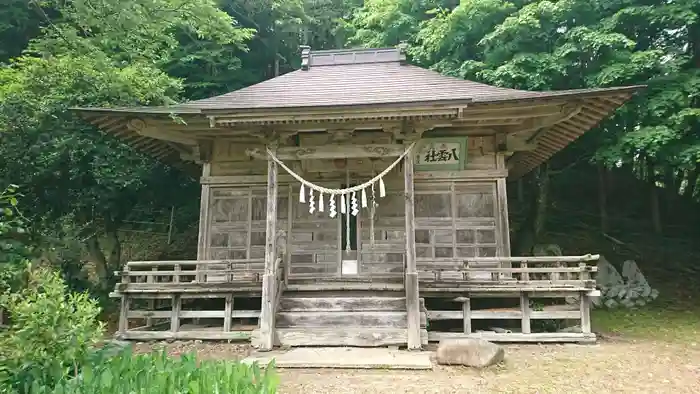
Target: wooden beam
[[267, 311], [545, 337], [337, 118], [140, 127], [518, 143], [462, 174], [509, 113], [411, 282], [186, 335], [343, 336], [331, 152]]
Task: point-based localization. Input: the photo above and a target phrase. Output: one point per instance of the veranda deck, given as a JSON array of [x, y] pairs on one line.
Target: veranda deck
[[158, 297]]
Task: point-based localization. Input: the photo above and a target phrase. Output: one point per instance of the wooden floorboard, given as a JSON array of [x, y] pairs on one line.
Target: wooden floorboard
[[516, 337]]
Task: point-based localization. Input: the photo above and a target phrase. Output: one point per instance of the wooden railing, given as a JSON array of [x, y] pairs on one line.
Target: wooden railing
[[542, 271], [526, 278], [145, 273]]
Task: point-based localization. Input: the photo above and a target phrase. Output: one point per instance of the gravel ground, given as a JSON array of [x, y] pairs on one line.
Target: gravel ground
[[609, 367]]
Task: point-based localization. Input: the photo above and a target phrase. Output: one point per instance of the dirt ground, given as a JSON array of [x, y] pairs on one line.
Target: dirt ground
[[611, 366]]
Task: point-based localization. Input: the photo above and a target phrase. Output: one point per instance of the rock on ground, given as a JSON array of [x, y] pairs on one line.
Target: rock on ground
[[471, 352]]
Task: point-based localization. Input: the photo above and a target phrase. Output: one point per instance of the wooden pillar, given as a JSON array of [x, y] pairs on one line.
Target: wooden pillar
[[204, 199], [585, 309], [269, 283], [502, 194], [467, 315], [203, 237], [228, 312], [124, 314], [411, 282], [175, 313], [585, 301], [151, 303], [525, 312]]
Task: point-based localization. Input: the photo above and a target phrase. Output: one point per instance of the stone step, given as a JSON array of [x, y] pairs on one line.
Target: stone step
[[363, 319], [347, 304], [345, 336]]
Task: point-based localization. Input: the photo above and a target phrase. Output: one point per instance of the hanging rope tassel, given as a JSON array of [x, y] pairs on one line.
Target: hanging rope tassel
[[371, 218], [347, 233], [342, 192], [312, 205], [363, 197], [371, 226], [353, 204], [320, 202], [343, 208], [331, 207]]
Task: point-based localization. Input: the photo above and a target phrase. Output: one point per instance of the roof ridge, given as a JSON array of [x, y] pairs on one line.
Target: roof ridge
[[337, 57]]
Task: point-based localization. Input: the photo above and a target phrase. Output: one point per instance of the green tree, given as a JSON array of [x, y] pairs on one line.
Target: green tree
[[544, 45], [97, 53]]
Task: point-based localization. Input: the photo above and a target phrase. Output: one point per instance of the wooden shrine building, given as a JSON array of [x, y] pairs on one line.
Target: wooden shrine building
[[358, 201]]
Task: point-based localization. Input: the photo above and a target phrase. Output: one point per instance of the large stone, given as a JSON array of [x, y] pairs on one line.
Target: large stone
[[471, 352]]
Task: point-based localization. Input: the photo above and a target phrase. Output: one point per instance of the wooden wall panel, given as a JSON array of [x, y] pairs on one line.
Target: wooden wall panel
[[314, 239], [237, 221], [387, 252], [456, 219]]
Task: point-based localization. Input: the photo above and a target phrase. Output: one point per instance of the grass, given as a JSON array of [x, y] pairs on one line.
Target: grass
[[658, 323], [158, 373]]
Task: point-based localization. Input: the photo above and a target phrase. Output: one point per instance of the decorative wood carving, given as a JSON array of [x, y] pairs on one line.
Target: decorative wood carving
[[331, 152]]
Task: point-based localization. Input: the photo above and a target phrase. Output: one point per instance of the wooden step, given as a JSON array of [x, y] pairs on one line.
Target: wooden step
[[362, 319], [361, 337], [347, 304]]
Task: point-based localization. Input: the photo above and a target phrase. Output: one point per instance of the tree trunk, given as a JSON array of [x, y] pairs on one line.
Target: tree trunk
[[97, 257], [541, 201], [115, 248], [104, 263], [672, 190], [521, 191], [533, 226], [692, 179], [603, 197], [653, 197]]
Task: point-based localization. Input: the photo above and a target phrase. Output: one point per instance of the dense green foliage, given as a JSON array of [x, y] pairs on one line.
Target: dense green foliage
[[544, 45], [52, 347], [14, 244], [156, 373], [51, 332]]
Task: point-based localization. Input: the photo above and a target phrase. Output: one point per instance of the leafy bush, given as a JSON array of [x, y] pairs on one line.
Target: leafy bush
[[156, 373], [14, 250], [51, 334]]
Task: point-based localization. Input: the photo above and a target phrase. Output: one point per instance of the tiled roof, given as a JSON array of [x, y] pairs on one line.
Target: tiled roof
[[375, 78], [366, 82]]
